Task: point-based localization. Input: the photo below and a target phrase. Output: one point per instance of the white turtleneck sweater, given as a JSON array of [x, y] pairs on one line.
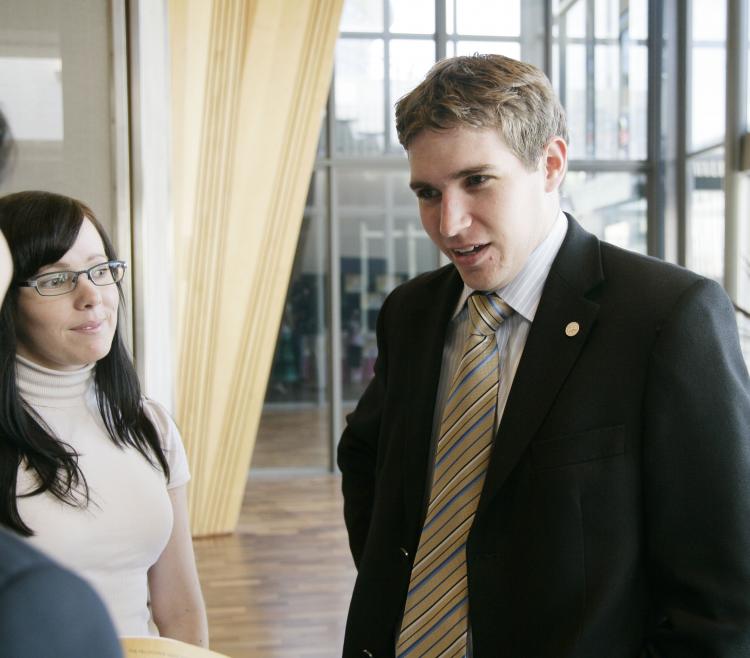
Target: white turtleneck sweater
[[121, 533]]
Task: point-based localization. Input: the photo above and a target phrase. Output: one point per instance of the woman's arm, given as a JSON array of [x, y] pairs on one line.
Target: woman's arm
[[176, 599]]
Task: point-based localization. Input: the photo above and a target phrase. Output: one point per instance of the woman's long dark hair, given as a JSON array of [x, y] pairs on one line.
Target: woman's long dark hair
[[40, 228]]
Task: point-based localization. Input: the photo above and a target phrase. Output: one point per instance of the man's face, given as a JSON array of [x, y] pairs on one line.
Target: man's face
[[480, 204]]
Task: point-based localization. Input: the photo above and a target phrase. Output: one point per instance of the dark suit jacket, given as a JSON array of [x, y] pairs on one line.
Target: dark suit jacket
[[615, 516], [46, 611]]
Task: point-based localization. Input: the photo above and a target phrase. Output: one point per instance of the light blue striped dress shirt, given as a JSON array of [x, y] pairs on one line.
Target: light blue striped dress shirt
[[522, 295]]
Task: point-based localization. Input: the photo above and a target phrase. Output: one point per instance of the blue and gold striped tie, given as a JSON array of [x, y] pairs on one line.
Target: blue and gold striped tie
[[435, 619]]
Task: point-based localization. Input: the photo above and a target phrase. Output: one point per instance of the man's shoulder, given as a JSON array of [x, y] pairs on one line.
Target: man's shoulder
[[649, 275]]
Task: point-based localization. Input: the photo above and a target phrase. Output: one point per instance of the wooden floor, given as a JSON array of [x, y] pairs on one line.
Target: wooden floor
[[280, 586]]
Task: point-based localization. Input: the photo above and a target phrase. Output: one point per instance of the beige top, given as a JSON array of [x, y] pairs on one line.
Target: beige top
[[121, 533]]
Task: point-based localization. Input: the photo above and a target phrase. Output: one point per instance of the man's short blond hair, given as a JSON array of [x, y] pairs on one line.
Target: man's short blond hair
[[486, 91]]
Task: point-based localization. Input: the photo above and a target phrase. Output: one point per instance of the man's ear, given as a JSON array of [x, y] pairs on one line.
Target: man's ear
[[555, 160]]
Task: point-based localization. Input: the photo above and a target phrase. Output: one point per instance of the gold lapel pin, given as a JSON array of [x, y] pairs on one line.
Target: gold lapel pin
[[572, 329]]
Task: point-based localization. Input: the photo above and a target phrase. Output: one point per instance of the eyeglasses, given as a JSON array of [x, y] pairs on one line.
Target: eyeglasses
[[59, 283]]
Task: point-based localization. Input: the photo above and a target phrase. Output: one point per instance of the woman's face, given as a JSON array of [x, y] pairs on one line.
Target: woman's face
[[66, 332]]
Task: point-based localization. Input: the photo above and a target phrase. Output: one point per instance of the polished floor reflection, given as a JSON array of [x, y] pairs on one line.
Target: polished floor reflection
[[279, 587]]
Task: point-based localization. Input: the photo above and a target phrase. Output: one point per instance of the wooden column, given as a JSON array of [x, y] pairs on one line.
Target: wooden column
[[250, 83]]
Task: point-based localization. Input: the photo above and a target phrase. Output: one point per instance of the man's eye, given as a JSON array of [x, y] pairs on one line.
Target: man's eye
[[426, 193], [476, 179]]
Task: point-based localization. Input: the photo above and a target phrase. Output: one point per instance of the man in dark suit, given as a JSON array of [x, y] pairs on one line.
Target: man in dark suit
[[553, 458], [45, 610]]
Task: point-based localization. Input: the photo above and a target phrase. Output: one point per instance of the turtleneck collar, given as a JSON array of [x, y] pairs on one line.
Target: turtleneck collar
[[45, 387]]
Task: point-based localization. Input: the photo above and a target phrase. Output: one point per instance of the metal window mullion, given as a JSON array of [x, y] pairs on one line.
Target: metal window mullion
[[441, 30], [386, 77], [548, 24], [736, 122], [656, 181], [683, 119], [590, 80], [335, 388]]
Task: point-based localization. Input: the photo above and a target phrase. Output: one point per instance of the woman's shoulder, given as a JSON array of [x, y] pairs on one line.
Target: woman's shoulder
[[171, 441]]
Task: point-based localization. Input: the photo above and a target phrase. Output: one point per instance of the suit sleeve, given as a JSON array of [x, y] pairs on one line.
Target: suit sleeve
[[46, 612], [358, 450], [697, 482]]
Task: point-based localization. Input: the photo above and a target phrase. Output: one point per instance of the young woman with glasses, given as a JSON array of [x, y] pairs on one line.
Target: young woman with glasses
[[93, 473]]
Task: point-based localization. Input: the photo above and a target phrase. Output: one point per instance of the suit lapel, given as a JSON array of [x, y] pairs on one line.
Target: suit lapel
[[425, 325], [549, 353]]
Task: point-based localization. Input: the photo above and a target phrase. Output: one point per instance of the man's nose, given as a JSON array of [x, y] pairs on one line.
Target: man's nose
[[454, 215]]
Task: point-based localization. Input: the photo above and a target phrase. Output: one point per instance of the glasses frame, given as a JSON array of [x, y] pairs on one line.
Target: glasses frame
[[33, 282]]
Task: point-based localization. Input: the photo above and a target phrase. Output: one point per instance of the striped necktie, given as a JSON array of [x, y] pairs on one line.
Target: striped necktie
[[435, 619]]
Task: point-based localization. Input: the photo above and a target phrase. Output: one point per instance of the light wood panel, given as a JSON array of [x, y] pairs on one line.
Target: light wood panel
[[256, 118], [280, 586]]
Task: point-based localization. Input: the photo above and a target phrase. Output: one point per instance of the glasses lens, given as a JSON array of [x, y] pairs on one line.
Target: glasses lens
[[56, 283], [107, 273]]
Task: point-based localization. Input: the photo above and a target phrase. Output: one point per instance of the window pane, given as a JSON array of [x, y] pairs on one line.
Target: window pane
[[621, 101], [294, 426], [709, 20], [708, 84], [415, 16], [409, 62], [380, 248], [507, 48], [610, 205], [638, 19], [362, 16], [575, 99], [707, 97], [705, 230], [360, 120], [498, 18], [610, 22], [575, 20], [607, 19], [55, 91]]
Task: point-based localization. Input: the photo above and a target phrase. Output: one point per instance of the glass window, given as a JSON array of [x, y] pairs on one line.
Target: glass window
[[362, 16], [379, 248], [575, 99], [705, 226], [611, 205], [297, 402], [605, 96], [55, 90], [415, 16], [607, 19], [410, 60], [621, 101], [359, 92], [708, 65], [482, 18], [507, 48]]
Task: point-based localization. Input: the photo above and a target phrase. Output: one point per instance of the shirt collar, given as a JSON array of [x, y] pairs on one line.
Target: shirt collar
[[524, 292]]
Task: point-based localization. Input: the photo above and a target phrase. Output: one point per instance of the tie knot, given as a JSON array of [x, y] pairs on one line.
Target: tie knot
[[487, 312]]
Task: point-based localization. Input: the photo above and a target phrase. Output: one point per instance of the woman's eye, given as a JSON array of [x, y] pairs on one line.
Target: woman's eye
[[53, 281]]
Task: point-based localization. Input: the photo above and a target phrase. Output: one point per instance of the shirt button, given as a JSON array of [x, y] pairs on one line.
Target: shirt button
[[367, 653], [404, 552]]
